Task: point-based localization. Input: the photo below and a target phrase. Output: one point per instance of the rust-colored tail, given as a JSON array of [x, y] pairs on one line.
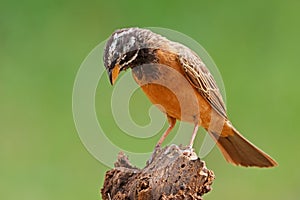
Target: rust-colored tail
[[239, 151]]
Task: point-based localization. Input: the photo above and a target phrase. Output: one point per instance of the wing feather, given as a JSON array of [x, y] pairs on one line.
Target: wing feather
[[200, 77]]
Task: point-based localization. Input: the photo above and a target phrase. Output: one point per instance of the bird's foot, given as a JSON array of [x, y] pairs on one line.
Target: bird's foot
[[189, 151]]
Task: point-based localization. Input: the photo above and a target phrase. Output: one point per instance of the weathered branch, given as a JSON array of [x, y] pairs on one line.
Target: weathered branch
[[173, 173]]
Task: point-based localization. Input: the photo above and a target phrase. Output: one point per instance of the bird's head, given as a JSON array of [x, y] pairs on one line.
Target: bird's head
[[122, 48], [130, 47]]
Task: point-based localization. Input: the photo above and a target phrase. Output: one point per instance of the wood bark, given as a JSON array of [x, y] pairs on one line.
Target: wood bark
[[172, 173]]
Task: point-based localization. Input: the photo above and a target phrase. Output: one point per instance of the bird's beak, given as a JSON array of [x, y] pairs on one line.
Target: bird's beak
[[114, 73]]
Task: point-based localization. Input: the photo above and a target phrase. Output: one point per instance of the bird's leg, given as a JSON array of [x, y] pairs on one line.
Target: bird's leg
[[172, 122], [193, 136]]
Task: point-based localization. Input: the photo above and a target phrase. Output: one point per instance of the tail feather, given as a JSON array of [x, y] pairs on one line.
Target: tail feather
[[239, 151]]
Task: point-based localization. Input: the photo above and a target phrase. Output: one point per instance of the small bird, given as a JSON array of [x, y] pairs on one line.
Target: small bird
[[175, 78]]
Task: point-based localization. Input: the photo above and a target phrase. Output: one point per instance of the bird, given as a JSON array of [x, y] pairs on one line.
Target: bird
[[176, 79]]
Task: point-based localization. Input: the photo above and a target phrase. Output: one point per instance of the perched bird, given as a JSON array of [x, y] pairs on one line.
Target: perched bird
[[174, 77]]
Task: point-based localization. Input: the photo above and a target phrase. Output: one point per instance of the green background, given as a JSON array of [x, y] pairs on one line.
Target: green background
[[255, 44]]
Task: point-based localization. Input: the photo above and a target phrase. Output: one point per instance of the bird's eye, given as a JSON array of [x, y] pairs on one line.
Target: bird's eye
[[123, 60], [128, 57]]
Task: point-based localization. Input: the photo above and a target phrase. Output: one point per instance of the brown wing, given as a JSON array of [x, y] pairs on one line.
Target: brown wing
[[200, 77]]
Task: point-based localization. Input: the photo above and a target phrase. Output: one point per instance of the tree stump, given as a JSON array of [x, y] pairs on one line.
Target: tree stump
[[172, 173]]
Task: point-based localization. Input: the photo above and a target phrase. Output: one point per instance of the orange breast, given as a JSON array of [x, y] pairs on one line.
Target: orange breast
[[165, 85]]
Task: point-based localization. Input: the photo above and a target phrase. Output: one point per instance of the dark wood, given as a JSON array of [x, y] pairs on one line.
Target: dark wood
[[172, 173]]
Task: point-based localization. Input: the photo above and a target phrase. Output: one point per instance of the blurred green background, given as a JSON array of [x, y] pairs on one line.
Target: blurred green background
[[255, 44]]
